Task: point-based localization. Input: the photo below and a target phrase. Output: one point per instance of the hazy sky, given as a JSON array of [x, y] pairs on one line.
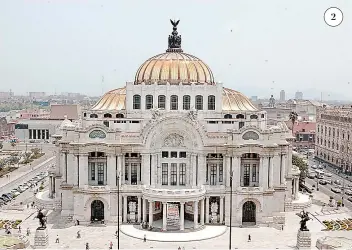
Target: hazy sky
[[257, 47]]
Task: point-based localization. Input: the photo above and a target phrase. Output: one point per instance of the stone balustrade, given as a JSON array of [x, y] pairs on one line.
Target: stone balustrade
[[170, 194], [251, 190]]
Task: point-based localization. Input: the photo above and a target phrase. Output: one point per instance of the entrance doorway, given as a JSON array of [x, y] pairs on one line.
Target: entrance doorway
[[248, 213], [97, 210]]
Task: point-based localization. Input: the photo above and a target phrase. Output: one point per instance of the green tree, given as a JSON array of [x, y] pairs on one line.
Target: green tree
[[293, 116], [302, 166]]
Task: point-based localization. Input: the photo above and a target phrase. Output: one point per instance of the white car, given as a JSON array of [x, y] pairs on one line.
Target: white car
[[336, 190], [314, 166], [15, 193], [328, 181], [348, 191], [328, 174]]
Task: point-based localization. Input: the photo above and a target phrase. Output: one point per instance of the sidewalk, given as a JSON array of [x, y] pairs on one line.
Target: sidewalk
[[23, 170]]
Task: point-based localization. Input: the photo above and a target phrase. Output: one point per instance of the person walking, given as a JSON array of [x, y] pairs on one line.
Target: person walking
[[28, 231], [117, 234], [145, 238], [110, 245], [19, 229], [87, 246], [249, 238], [57, 239]]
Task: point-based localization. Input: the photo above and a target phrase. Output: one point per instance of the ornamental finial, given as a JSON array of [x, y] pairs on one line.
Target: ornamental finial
[[174, 39]]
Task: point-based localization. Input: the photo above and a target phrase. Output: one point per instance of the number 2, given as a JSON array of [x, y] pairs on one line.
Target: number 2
[[333, 16]]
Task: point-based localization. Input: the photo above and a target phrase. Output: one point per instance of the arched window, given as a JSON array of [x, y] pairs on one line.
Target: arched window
[[199, 102], [263, 116], [253, 117], [186, 102], [84, 114], [107, 115], [161, 102], [93, 116], [174, 102], [239, 116], [120, 116], [148, 102], [211, 102], [228, 116], [136, 102]]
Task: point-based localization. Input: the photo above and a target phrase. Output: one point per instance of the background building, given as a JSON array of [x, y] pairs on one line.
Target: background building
[[282, 96], [304, 133], [334, 137], [36, 95], [299, 95]]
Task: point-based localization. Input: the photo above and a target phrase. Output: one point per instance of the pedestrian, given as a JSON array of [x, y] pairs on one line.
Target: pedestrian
[[28, 231], [19, 229], [110, 245], [87, 246], [75, 222], [145, 238], [57, 239], [282, 227], [117, 234], [78, 234], [179, 248], [27, 205], [249, 238]]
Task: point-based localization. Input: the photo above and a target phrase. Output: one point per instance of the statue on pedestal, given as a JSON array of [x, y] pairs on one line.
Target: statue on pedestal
[[42, 219], [304, 218]]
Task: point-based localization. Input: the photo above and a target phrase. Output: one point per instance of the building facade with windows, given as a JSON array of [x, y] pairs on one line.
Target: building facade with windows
[[164, 149], [334, 137]]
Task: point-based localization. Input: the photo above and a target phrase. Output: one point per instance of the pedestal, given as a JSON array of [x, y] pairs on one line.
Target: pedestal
[[304, 240], [41, 238], [132, 217]]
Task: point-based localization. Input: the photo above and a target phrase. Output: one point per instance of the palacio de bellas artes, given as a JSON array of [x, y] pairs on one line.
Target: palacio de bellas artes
[[174, 150]]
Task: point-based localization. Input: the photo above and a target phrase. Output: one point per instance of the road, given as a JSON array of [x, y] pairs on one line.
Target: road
[[326, 189]]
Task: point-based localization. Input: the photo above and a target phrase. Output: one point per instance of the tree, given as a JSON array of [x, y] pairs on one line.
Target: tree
[[302, 166], [293, 118]]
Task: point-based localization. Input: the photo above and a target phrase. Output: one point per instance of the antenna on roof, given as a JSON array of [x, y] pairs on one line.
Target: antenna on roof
[[102, 85]]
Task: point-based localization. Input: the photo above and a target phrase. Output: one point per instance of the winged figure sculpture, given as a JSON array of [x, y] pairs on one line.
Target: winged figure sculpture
[[174, 22]]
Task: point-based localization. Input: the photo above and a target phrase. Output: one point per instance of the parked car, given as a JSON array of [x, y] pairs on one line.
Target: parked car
[[9, 197], [314, 166], [328, 181], [3, 199], [15, 193], [337, 182], [348, 191], [336, 190], [328, 174], [349, 199]]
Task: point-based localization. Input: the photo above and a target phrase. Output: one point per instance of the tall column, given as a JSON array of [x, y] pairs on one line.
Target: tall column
[[261, 168], [194, 170], [182, 216], [202, 212], [202, 164], [195, 219], [236, 168], [144, 210], [164, 215], [123, 169], [83, 170], [297, 187], [227, 161], [265, 170], [221, 209], [283, 169], [271, 172], [153, 171], [207, 209], [111, 170], [146, 169], [151, 203], [125, 208], [139, 209], [50, 186], [119, 166]]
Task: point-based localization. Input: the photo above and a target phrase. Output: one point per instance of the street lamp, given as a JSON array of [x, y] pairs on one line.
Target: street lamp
[[317, 184], [118, 211], [343, 191], [230, 242]]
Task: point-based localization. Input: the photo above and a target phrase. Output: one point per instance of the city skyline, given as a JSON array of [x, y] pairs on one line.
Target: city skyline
[[86, 47]]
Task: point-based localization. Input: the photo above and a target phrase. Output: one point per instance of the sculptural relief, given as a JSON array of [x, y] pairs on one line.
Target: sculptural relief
[[174, 140]]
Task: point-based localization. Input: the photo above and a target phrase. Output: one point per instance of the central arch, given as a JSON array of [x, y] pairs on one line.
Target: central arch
[[249, 213], [97, 210]]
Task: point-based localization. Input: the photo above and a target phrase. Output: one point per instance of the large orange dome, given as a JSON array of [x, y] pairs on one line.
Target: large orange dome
[[174, 67]]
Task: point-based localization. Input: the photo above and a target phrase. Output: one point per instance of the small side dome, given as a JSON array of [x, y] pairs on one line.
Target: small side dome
[[112, 100], [67, 123]]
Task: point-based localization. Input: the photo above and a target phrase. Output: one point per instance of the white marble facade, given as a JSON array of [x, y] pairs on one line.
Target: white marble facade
[[165, 142]]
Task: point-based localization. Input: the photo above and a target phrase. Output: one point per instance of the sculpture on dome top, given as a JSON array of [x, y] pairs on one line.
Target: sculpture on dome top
[[174, 39]]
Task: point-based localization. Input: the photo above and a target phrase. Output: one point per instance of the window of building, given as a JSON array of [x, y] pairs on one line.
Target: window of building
[[207, 173], [93, 116], [182, 174], [106, 123], [30, 134], [136, 102], [161, 101], [126, 171], [148, 102], [253, 117], [120, 116], [173, 174], [174, 102], [92, 170], [241, 124], [246, 175], [239, 116], [173, 154], [183, 154], [254, 173], [84, 114], [107, 115], [134, 169], [228, 116], [199, 102], [221, 173], [186, 102], [164, 174], [100, 173], [212, 174], [211, 102], [165, 154]]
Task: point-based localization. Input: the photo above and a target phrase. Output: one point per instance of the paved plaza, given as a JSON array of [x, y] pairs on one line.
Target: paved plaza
[[99, 237]]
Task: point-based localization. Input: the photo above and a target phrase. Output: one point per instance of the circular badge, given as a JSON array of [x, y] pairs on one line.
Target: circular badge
[[333, 17]]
